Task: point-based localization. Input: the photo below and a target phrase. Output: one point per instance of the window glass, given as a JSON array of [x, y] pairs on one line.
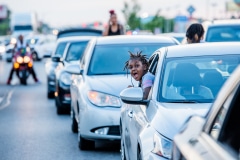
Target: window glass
[[110, 59], [60, 48], [75, 51], [223, 33], [195, 79]]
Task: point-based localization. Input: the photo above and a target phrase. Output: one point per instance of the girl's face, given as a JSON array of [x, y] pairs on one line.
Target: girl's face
[[137, 69], [113, 18]]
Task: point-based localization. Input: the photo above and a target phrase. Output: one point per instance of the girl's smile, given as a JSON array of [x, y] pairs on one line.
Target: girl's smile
[[137, 69]]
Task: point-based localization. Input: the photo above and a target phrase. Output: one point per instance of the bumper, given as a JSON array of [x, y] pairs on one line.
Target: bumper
[[93, 118]]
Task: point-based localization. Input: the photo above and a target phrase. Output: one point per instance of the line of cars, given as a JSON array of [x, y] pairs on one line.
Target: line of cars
[[94, 87]]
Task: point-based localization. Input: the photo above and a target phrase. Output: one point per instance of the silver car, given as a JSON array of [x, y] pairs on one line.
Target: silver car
[[217, 136], [95, 90], [187, 80]]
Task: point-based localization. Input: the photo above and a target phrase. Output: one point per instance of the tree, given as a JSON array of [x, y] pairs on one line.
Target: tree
[[131, 14]]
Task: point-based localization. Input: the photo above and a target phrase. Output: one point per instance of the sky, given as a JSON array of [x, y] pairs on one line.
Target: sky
[[75, 12]]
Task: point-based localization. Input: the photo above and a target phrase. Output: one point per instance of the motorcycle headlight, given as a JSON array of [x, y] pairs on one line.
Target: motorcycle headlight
[[26, 59], [65, 78], [103, 100], [19, 59], [13, 41], [2, 49], [162, 146]]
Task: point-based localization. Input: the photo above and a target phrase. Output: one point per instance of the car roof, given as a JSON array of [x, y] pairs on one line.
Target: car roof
[[75, 38], [123, 39], [78, 32], [201, 49]]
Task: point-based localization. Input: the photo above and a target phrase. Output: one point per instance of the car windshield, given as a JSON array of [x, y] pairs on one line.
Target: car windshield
[[76, 50], [110, 59], [223, 33], [195, 79], [27, 27], [60, 49]]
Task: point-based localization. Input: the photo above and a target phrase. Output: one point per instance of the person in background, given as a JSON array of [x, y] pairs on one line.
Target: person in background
[[20, 44], [138, 66], [113, 27], [195, 33]]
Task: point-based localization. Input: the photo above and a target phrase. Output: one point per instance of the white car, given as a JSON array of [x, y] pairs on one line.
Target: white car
[[187, 80], [216, 136], [41, 45]]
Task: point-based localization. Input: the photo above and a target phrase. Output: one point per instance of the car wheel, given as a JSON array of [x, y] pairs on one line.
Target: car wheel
[[86, 144], [74, 123], [139, 156], [60, 109], [123, 155], [34, 56]]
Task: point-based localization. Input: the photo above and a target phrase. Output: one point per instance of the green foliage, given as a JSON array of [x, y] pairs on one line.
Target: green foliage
[[131, 14], [133, 21]]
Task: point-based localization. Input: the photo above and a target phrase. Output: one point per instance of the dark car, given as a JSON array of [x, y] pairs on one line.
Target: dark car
[[79, 32]]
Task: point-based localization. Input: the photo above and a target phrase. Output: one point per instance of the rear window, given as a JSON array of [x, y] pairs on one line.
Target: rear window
[[110, 59], [60, 48], [75, 51], [223, 34]]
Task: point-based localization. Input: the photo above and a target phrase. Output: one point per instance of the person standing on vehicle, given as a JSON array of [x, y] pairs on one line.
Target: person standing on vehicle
[[113, 28], [21, 44], [195, 33]]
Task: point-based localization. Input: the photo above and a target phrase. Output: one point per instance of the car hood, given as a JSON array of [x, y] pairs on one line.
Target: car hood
[[111, 84], [170, 117]]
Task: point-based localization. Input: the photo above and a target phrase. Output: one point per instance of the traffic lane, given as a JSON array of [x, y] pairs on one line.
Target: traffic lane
[[31, 129]]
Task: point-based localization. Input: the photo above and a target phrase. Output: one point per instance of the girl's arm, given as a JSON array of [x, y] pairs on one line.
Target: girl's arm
[[146, 92], [105, 32]]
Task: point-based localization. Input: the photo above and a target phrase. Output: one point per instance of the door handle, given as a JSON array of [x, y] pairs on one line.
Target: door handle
[[130, 114]]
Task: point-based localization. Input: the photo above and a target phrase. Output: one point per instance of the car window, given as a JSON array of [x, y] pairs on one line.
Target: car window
[[195, 79], [110, 59], [75, 51], [223, 33], [60, 48], [225, 128]]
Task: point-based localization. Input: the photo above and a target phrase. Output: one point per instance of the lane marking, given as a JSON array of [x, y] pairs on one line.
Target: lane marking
[[7, 98]]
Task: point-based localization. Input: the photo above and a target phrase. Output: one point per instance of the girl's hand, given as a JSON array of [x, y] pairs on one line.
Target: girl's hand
[[129, 86]]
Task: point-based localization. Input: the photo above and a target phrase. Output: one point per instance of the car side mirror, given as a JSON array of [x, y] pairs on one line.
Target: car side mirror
[[133, 95], [74, 69], [56, 58]]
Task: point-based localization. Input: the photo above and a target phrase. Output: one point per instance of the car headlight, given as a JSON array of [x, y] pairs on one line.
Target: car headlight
[[65, 78], [162, 146], [103, 100]]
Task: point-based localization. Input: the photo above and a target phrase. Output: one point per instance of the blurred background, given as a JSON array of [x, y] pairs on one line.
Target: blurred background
[[152, 16]]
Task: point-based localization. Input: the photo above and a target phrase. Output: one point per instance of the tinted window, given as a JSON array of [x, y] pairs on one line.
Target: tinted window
[[223, 33], [16, 28], [110, 59], [75, 51], [67, 34], [60, 48], [195, 79]]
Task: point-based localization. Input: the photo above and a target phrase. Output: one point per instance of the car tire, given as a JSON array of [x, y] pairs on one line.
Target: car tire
[[74, 123], [60, 109], [84, 144], [139, 156]]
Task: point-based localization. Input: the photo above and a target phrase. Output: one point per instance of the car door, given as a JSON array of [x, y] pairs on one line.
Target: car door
[[221, 139], [137, 117]]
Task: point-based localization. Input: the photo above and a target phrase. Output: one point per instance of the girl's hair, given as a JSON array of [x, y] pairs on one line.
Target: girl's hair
[[195, 28], [112, 12], [138, 56]]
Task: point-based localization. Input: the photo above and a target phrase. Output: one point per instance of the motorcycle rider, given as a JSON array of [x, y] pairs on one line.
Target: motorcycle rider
[[21, 44]]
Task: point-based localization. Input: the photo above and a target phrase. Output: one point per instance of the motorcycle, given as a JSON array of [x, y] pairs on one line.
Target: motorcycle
[[23, 64]]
